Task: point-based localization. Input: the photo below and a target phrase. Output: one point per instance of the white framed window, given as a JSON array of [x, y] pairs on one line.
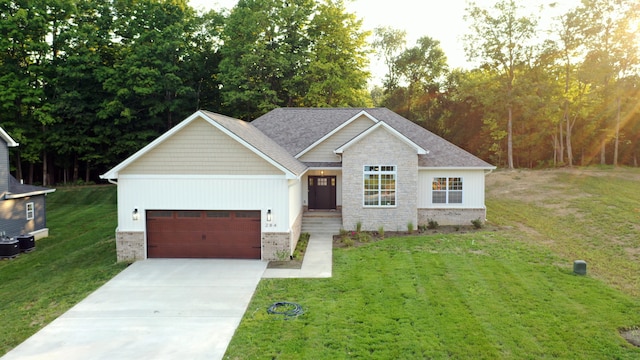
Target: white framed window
[[31, 212], [446, 190], [379, 185]]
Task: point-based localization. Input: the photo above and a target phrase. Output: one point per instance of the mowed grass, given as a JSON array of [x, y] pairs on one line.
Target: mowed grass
[[508, 293], [77, 257]]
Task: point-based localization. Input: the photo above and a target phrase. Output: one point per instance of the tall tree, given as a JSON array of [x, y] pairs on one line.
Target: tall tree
[[291, 53], [501, 41], [389, 43], [336, 73]]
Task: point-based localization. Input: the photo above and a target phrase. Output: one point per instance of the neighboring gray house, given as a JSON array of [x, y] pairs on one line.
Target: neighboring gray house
[[22, 207], [214, 186]]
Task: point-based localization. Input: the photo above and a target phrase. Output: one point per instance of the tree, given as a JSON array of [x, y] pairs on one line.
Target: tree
[[501, 41], [336, 73], [291, 53], [389, 43]]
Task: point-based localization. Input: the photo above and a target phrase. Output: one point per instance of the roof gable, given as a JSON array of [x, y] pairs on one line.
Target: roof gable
[[381, 125], [238, 130]]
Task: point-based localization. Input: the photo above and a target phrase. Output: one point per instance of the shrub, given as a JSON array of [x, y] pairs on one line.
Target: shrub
[[381, 231], [410, 227], [359, 226], [348, 242], [477, 223], [432, 224], [364, 237]]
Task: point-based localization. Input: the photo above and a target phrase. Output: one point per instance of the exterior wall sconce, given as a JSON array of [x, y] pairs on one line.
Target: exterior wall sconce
[[135, 215], [268, 214]]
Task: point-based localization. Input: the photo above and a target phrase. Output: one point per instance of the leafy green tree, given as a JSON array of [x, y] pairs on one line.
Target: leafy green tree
[[336, 73], [291, 53], [501, 41], [388, 43]]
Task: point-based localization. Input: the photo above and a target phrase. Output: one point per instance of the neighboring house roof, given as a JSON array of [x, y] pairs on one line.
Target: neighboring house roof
[[10, 142], [19, 190], [296, 129], [241, 131]]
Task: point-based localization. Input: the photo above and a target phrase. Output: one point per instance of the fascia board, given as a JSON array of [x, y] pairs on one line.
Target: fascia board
[[419, 149]]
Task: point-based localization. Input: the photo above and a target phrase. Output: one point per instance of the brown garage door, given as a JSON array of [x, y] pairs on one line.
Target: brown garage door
[[203, 234]]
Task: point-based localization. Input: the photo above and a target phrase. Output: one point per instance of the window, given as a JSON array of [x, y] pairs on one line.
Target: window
[[446, 190], [379, 185], [30, 211]]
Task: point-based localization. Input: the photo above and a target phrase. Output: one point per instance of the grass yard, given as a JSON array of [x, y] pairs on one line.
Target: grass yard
[[77, 257], [507, 294]]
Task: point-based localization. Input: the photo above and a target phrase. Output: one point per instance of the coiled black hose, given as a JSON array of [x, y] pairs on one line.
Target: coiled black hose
[[288, 309]]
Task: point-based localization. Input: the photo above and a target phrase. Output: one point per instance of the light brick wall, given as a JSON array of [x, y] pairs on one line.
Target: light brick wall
[[296, 229], [275, 246], [130, 245], [451, 216], [380, 148]]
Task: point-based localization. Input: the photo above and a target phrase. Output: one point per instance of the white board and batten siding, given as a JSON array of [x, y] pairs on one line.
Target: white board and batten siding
[[202, 193], [202, 168], [472, 188]]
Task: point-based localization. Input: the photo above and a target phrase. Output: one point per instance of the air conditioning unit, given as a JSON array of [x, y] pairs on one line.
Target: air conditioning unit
[[26, 243], [9, 247]]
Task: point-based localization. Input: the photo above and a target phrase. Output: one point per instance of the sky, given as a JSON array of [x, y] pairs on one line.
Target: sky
[[441, 20]]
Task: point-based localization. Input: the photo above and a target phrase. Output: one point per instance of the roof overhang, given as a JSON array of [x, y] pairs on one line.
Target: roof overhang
[[385, 126], [483, 168], [343, 125], [9, 196], [10, 142]]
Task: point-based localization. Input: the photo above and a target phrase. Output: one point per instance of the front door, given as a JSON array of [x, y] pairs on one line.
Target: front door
[[322, 192]]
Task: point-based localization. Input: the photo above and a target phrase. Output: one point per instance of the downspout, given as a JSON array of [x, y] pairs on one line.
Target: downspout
[[112, 182]]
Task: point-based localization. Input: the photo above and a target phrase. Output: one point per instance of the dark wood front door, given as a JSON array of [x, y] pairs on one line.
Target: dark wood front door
[[203, 234], [322, 192]]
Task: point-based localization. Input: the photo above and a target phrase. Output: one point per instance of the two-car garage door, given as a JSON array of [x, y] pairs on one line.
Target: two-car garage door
[[203, 234]]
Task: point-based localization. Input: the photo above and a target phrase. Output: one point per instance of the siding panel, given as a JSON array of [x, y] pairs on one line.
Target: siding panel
[[323, 152], [200, 148], [472, 188]]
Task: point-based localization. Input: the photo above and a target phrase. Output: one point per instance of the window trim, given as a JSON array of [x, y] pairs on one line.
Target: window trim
[[380, 172], [447, 191], [30, 210]]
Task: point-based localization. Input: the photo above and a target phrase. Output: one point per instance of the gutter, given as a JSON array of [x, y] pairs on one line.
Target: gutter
[[33, 193]]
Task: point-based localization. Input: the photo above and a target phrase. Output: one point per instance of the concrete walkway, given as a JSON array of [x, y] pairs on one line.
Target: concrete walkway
[[155, 309], [317, 261]]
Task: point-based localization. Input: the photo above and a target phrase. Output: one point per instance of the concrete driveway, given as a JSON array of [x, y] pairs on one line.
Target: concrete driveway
[[155, 309]]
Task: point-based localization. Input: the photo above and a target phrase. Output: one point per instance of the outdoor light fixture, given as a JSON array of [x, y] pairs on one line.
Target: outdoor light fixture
[[268, 214], [135, 215]]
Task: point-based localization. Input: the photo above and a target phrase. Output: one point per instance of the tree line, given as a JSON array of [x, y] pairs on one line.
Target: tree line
[[85, 84], [563, 94]]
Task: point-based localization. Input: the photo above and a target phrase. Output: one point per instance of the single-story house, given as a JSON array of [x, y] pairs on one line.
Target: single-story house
[[22, 207], [214, 186]]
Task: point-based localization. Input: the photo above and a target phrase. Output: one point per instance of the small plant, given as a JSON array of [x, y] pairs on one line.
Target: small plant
[[422, 228], [282, 255], [410, 227], [343, 232], [477, 223], [348, 242], [381, 231], [364, 237], [432, 224], [359, 226]]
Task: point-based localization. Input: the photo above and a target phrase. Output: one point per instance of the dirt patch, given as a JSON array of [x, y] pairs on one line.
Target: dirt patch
[[356, 239], [632, 336]]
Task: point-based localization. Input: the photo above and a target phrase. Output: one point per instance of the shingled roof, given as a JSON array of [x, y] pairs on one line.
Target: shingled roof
[[20, 190], [295, 129]]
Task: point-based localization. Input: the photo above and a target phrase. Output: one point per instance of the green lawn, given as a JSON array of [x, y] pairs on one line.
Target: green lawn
[[508, 293], [505, 292], [77, 257]]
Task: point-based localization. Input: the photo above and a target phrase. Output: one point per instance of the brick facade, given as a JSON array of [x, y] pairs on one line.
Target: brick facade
[[130, 245], [379, 148], [451, 216]]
